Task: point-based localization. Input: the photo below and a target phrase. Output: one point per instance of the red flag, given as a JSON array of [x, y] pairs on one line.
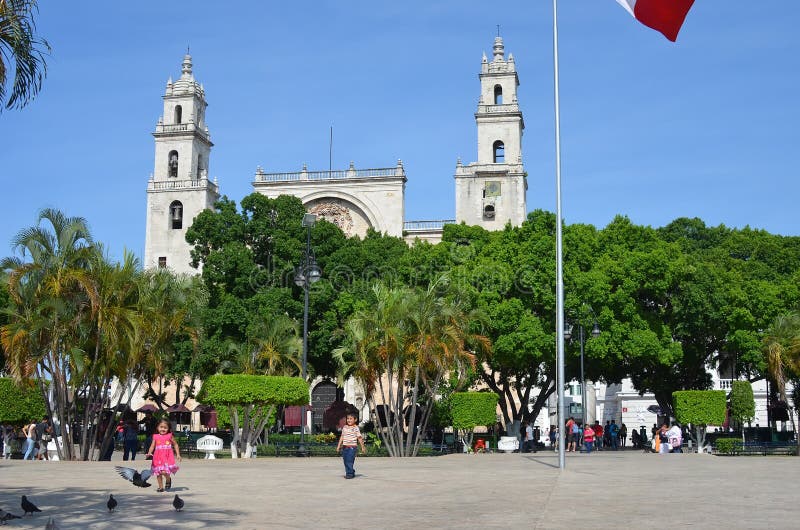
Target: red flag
[[665, 16]]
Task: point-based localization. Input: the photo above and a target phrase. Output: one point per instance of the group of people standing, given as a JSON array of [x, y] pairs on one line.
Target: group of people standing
[[667, 439], [34, 437], [586, 437]]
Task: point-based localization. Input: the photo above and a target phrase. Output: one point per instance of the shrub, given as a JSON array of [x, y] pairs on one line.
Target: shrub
[[20, 404], [728, 446]]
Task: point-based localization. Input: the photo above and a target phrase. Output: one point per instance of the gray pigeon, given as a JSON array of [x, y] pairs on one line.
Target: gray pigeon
[[51, 525], [112, 503], [5, 517], [28, 507], [177, 502], [138, 479]]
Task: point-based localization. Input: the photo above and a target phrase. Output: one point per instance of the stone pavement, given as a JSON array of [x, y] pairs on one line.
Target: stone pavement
[[625, 489]]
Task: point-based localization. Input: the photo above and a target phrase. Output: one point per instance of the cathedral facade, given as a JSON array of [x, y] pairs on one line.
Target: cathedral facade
[[489, 192]]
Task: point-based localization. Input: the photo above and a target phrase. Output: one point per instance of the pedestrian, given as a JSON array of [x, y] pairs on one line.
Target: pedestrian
[[44, 433], [148, 424], [675, 437], [663, 440], [9, 435], [165, 450], [351, 435], [614, 434], [588, 438], [130, 440], [527, 444], [623, 435], [29, 449], [554, 437], [568, 439], [577, 435], [598, 435]]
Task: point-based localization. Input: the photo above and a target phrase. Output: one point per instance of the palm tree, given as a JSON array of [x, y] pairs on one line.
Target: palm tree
[[53, 293], [782, 349], [401, 349], [274, 347], [111, 353], [169, 307], [21, 53]]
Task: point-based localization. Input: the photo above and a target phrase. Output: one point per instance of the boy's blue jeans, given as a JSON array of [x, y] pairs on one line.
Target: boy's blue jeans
[[349, 457]]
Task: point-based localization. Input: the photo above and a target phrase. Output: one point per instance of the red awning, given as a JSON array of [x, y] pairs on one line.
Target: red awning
[[178, 408]]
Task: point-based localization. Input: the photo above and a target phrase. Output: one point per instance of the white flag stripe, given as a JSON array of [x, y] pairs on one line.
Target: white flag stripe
[[628, 5]]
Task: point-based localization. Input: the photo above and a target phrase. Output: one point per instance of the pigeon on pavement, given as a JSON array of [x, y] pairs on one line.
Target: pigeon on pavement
[[51, 525], [5, 517], [28, 507], [138, 479], [112, 503], [177, 502]]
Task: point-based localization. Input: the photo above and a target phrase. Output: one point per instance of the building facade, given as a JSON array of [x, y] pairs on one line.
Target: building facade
[[489, 192]]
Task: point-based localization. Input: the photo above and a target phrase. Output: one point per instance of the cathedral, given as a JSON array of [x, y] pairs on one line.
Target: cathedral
[[489, 192]]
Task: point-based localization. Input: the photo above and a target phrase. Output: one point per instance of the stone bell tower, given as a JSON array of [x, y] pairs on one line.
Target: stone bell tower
[[178, 188], [491, 191]]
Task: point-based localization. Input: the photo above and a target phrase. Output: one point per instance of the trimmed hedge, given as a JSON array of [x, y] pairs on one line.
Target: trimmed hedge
[[700, 407], [473, 409], [241, 389], [728, 446], [20, 404]]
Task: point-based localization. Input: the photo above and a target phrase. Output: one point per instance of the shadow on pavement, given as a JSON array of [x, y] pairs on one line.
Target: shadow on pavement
[[86, 508]]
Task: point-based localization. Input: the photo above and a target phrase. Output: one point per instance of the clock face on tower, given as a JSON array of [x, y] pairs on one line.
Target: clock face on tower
[[492, 188]]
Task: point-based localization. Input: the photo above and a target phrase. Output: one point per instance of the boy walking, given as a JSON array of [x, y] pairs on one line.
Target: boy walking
[[351, 435]]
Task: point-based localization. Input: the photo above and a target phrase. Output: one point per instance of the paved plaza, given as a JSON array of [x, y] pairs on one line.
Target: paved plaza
[[603, 490]]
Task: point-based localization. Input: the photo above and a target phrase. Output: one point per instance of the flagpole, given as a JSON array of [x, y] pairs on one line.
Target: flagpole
[[559, 265]]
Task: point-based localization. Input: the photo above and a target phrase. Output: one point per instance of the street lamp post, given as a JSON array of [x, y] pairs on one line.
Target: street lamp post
[[307, 273], [568, 336]]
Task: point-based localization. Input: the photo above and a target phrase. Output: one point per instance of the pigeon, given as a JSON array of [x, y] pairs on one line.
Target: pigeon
[[112, 503], [177, 502], [138, 479], [5, 517], [51, 525], [28, 507]]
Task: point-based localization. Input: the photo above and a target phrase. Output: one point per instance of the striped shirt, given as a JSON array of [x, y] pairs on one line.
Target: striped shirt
[[350, 435]]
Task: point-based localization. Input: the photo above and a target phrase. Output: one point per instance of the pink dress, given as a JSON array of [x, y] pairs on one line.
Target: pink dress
[[164, 455]]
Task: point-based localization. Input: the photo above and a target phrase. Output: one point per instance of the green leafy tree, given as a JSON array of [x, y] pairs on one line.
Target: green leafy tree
[[742, 403], [251, 401], [472, 409], [22, 53], [700, 408]]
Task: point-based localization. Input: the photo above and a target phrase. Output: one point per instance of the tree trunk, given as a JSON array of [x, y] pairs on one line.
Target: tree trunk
[[234, 413]]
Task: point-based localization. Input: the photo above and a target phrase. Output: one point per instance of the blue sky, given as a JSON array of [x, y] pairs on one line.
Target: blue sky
[[707, 127]]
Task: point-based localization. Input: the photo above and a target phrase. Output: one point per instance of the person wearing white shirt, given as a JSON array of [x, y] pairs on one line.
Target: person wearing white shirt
[[675, 438]]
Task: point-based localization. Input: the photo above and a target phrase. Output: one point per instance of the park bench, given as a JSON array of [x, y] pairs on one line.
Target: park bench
[[766, 448]]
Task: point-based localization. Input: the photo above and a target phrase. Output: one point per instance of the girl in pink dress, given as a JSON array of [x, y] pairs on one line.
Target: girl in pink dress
[[164, 451]]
